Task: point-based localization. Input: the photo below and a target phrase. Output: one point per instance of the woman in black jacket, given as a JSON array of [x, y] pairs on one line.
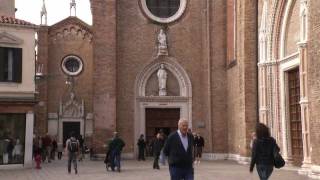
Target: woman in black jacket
[[262, 152]]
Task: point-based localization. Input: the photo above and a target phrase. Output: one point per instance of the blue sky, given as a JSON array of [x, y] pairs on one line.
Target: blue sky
[[29, 10]]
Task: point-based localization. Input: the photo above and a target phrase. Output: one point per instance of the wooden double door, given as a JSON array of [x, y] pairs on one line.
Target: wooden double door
[[295, 116], [161, 118]]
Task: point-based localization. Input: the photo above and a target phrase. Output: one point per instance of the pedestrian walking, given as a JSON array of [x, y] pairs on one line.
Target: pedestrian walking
[[47, 146], [81, 144], [179, 148], [157, 146], [162, 158], [60, 150], [116, 146], [263, 152], [37, 158], [72, 148], [199, 144], [54, 148], [141, 147]]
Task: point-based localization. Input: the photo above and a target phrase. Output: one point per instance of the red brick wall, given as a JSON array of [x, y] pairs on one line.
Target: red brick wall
[[104, 75], [313, 78], [242, 79], [41, 108]]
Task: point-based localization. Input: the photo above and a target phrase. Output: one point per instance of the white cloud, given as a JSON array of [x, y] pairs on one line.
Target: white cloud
[[29, 10]]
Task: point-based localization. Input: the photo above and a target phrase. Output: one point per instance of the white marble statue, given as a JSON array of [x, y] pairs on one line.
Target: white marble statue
[[162, 43], [162, 78], [73, 5], [43, 14]]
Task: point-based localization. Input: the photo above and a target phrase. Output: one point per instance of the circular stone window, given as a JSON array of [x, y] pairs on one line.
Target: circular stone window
[[163, 11], [72, 65]]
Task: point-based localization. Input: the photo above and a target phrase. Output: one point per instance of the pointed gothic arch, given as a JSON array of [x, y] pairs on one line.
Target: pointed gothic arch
[[183, 101]]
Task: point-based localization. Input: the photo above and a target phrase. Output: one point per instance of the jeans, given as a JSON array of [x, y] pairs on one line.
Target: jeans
[[264, 171], [178, 173], [115, 160], [162, 158], [72, 157]]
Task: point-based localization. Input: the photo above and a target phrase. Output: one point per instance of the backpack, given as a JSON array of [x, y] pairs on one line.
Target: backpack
[[73, 145]]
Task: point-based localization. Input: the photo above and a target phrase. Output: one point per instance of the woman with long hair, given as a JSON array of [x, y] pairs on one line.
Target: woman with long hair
[[262, 152]]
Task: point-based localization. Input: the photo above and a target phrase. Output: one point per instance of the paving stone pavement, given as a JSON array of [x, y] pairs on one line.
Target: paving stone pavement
[[138, 170]]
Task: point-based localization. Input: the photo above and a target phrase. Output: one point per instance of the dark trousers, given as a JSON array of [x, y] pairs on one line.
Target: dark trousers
[[178, 173], [141, 154], [72, 157], [59, 155], [264, 171], [156, 161], [53, 154], [115, 160]]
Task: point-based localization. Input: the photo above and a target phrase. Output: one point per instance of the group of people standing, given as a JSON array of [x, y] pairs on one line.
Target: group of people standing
[[45, 150], [45, 147], [11, 150]]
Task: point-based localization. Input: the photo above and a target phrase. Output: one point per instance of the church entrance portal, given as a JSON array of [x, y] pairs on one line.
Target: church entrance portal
[[161, 118], [69, 127]]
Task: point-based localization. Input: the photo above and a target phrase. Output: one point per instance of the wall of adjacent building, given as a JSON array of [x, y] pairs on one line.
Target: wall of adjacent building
[[26, 88]]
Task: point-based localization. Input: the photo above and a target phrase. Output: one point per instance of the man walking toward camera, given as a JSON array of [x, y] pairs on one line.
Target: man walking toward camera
[[179, 148], [72, 147]]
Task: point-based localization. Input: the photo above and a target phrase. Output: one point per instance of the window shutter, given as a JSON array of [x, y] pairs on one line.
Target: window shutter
[[17, 64]]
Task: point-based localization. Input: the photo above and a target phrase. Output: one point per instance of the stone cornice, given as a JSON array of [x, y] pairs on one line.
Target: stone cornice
[[289, 58], [162, 99]]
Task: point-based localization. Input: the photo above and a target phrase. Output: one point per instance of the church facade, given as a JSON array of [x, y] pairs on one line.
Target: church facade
[[222, 65], [288, 79]]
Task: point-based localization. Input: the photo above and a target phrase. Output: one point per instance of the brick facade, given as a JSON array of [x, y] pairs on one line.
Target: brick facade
[[124, 43], [313, 79]]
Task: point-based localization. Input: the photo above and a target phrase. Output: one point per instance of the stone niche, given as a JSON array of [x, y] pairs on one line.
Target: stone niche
[[152, 86]]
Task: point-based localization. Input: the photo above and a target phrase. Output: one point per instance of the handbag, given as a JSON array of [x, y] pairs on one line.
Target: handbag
[[278, 160]]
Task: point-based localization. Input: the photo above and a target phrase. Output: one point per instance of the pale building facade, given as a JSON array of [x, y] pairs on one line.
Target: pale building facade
[[17, 87]]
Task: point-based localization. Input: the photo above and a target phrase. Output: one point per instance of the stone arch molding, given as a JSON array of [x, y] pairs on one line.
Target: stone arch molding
[[170, 64], [142, 102]]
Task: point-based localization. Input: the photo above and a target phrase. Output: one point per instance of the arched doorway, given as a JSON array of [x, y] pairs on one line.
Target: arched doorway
[[153, 111]]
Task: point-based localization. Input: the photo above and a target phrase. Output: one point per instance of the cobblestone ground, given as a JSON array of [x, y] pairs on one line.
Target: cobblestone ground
[[135, 170]]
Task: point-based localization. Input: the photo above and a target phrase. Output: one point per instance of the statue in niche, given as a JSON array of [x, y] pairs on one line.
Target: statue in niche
[[162, 43], [162, 78]]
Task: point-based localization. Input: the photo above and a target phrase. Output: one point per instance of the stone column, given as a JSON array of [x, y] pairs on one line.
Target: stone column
[[304, 105], [28, 139], [263, 96]]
